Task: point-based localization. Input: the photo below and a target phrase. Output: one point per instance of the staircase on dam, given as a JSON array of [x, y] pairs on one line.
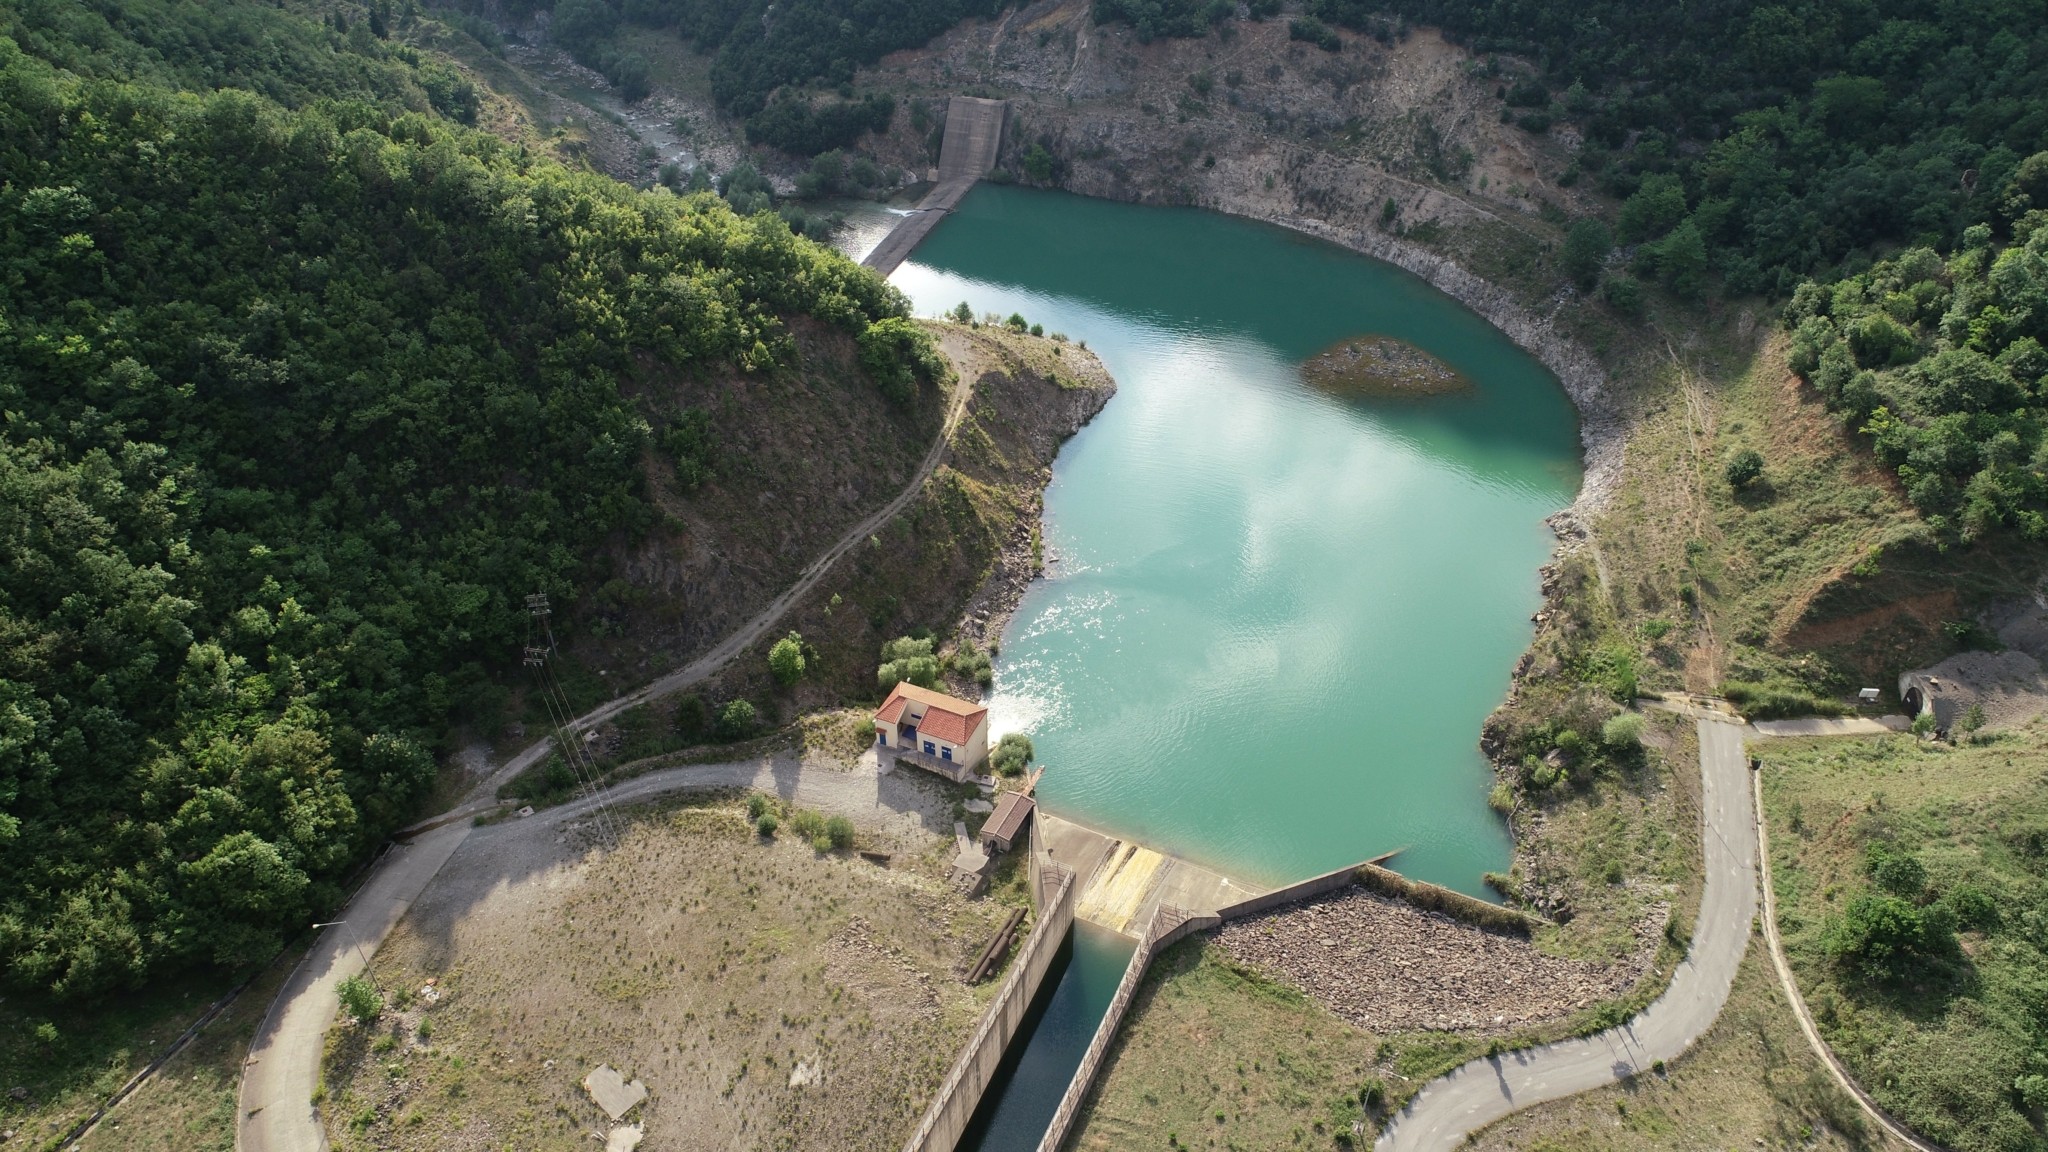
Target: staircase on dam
[[974, 135]]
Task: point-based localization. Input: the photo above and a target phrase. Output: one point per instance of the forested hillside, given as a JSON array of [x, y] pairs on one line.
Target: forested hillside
[[1781, 139], [304, 386]]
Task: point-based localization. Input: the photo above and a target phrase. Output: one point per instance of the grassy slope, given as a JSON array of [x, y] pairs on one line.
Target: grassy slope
[[1750, 1082], [1942, 1051]]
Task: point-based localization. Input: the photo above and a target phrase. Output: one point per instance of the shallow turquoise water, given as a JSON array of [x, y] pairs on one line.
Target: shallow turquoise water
[[1277, 619]]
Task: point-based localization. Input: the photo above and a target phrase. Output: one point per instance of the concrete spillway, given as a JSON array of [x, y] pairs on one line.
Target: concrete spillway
[[974, 135]]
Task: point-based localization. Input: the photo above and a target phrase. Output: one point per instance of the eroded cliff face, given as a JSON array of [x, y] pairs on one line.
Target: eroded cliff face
[[1393, 149]]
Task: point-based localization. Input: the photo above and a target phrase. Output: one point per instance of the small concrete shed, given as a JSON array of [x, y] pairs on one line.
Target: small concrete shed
[[1006, 824]]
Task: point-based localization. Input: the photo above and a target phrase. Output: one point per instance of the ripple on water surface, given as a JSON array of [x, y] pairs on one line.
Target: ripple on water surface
[[1277, 618]]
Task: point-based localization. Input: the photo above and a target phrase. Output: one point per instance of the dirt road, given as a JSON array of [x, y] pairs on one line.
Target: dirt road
[[1477, 1094]]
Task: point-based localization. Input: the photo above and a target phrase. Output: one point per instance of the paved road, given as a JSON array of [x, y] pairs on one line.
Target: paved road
[[1483, 1091], [276, 1102], [283, 1067]]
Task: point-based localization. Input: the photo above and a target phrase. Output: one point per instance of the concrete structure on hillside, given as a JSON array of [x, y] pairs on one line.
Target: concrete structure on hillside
[[941, 733], [1005, 826], [974, 137]]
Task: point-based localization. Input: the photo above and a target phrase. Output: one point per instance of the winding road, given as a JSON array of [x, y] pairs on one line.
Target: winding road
[[277, 1110], [1476, 1094]]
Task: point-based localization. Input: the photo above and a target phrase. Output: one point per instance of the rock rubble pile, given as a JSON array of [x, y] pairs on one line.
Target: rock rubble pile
[[1387, 966]]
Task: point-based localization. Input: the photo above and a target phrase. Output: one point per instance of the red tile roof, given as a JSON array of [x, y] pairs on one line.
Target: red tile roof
[[947, 718]]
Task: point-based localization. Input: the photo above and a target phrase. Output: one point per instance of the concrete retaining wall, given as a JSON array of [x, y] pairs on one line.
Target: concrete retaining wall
[[1170, 925], [1313, 886], [976, 1065]]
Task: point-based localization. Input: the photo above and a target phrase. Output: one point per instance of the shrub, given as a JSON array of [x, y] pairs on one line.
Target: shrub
[[1624, 294], [1882, 938], [963, 313], [1622, 731], [807, 824], [1012, 753], [1971, 907], [692, 717], [359, 998], [1899, 873], [905, 658], [1039, 164], [786, 659], [1017, 322], [737, 719], [1315, 32], [757, 807], [900, 356], [1744, 468], [972, 661], [1585, 251], [839, 832], [766, 824]]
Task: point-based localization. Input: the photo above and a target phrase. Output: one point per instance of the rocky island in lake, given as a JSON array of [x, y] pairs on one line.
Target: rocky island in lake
[[1381, 366]]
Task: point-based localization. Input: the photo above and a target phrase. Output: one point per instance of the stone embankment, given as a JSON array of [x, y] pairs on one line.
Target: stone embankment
[[1388, 966]]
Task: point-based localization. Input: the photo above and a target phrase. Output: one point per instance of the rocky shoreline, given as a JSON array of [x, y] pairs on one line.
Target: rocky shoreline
[[1022, 556]]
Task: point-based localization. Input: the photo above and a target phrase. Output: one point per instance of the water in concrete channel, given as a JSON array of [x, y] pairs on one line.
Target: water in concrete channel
[[1027, 1088]]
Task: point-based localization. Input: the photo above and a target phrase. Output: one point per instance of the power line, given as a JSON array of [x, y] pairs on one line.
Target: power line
[[582, 767]]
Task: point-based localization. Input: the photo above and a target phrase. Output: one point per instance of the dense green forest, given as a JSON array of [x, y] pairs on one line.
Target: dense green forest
[[1791, 138], [1941, 363], [304, 386], [758, 46]]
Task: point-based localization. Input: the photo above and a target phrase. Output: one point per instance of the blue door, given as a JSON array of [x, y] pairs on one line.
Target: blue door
[[881, 737], [946, 753], [927, 747]]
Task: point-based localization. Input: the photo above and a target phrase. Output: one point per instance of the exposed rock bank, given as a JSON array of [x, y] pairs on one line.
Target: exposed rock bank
[[1388, 966]]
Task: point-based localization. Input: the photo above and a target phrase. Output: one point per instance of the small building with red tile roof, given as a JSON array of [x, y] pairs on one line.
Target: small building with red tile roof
[[932, 724]]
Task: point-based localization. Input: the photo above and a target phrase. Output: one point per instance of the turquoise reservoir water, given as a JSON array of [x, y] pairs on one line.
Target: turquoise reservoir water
[[1276, 619]]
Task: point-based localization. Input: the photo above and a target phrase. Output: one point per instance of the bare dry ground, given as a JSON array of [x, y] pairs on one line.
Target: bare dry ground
[[769, 995]]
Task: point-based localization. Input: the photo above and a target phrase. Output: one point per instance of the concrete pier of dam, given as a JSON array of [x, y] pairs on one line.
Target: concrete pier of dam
[[974, 135]]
